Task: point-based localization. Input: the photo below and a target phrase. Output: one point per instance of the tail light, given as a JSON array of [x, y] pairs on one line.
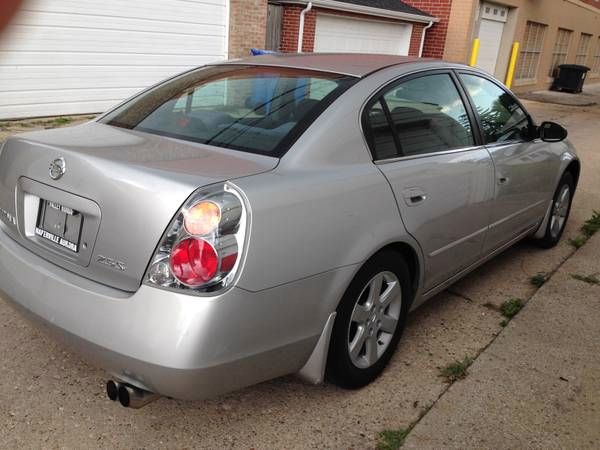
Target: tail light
[[202, 248]]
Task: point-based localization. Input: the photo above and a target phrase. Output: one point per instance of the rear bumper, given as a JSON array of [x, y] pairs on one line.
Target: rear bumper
[[172, 344]]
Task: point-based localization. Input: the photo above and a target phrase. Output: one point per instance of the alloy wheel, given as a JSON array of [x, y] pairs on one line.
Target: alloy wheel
[[374, 319], [560, 209]]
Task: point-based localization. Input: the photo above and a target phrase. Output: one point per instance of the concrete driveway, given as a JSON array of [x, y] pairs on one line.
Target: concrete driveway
[[49, 397]]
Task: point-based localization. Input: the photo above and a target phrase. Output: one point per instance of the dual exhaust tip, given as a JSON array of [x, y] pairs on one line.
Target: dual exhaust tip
[[129, 396]]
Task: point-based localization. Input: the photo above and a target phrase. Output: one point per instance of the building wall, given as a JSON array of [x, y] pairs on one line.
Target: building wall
[[460, 30], [576, 15], [435, 40], [247, 26]]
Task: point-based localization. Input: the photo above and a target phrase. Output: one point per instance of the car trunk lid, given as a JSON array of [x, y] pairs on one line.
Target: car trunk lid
[[120, 189]]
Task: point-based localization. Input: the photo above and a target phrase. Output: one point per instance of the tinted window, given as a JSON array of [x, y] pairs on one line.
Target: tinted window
[[254, 109], [502, 119], [427, 115], [380, 133]]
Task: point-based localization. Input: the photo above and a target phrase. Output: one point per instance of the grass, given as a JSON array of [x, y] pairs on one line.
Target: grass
[[589, 228], [578, 241], [391, 439], [590, 279], [456, 370], [61, 121], [539, 279], [504, 323], [592, 225], [511, 307]]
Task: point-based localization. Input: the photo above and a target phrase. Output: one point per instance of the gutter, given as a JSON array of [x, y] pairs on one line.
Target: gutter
[[301, 28], [423, 38], [365, 10]]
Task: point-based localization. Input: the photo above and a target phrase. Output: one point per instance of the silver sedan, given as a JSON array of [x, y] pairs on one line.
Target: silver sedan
[[274, 215]]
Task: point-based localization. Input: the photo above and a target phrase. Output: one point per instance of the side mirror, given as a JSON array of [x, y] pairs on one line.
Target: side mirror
[[552, 132]]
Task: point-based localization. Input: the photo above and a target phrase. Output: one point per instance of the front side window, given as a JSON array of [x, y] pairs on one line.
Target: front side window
[[422, 115], [501, 117], [248, 108]]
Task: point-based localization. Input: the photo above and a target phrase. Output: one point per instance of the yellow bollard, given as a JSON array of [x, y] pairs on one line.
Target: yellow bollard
[[474, 52], [512, 64]]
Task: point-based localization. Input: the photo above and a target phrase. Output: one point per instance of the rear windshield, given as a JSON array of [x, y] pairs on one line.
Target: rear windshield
[[248, 108]]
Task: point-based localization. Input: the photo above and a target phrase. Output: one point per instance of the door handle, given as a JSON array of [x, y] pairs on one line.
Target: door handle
[[414, 196]]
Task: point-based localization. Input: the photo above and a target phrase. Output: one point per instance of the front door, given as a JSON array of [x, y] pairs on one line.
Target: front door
[[524, 168], [421, 137]]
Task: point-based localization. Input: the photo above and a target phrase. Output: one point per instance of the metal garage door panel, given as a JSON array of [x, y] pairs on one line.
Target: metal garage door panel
[[83, 56], [342, 34]]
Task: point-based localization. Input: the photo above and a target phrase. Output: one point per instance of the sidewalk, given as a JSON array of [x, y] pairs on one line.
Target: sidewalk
[[589, 97], [538, 384]]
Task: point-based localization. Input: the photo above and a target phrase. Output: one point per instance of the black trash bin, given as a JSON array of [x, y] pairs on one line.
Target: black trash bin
[[570, 78]]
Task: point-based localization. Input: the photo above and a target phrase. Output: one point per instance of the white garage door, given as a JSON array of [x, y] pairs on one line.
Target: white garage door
[[82, 56], [342, 34]]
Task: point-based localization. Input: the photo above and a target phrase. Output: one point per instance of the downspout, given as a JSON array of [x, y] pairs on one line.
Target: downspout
[[301, 29], [423, 38]]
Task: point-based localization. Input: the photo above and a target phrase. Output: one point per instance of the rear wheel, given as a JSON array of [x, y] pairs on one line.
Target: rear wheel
[[370, 321], [561, 207]]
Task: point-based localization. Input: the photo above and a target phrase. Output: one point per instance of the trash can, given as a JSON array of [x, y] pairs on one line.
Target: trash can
[[570, 78]]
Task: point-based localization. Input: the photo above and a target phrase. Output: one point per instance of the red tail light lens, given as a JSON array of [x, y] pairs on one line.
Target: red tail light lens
[[201, 250], [194, 262]]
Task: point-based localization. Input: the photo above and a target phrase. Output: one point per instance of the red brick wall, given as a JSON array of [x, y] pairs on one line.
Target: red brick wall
[[291, 25], [435, 39], [247, 26], [595, 3], [415, 39]]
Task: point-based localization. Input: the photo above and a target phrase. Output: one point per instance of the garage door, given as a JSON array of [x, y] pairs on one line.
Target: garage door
[[83, 56], [341, 34]]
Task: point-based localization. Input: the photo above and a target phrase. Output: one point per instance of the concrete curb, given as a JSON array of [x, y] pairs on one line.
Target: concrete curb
[[538, 384]]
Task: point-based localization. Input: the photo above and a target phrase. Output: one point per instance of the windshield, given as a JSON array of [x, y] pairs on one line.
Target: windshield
[[249, 108]]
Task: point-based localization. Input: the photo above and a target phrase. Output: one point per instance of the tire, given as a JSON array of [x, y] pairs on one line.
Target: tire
[[561, 208], [360, 313]]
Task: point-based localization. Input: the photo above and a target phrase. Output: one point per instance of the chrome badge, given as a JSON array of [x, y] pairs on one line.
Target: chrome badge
[[58, 167]]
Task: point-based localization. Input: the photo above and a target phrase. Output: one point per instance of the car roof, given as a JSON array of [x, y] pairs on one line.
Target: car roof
[[354, 64]]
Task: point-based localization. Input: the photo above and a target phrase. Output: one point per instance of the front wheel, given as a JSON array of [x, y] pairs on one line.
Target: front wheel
[[561, 207], [370, 321]]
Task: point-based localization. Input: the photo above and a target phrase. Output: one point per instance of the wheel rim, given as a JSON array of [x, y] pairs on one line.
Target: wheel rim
[[560, 211], [374, 319]]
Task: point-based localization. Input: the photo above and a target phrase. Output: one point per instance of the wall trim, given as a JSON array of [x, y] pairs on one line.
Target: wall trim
[[365, 10]]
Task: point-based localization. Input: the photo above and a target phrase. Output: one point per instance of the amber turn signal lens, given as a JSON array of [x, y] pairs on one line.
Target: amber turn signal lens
[[202, 218]]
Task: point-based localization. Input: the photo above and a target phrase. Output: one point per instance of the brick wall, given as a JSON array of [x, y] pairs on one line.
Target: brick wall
[[291, 26], [595, 3], [460, 31], [247, 26], [415, 39], [435, 39]]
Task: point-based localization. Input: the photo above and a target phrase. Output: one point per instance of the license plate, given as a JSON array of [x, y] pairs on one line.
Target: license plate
[[59, 224]]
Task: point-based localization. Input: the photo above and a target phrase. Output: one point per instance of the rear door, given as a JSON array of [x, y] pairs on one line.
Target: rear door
[[524, 168], [422, 139]]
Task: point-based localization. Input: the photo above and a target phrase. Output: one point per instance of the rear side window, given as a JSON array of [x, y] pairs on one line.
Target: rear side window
[[501, 117], [422, 115], [249, 108]]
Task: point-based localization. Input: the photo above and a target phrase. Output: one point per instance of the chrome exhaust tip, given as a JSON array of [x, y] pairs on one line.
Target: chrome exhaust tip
[[112, 390], [133, 397]]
